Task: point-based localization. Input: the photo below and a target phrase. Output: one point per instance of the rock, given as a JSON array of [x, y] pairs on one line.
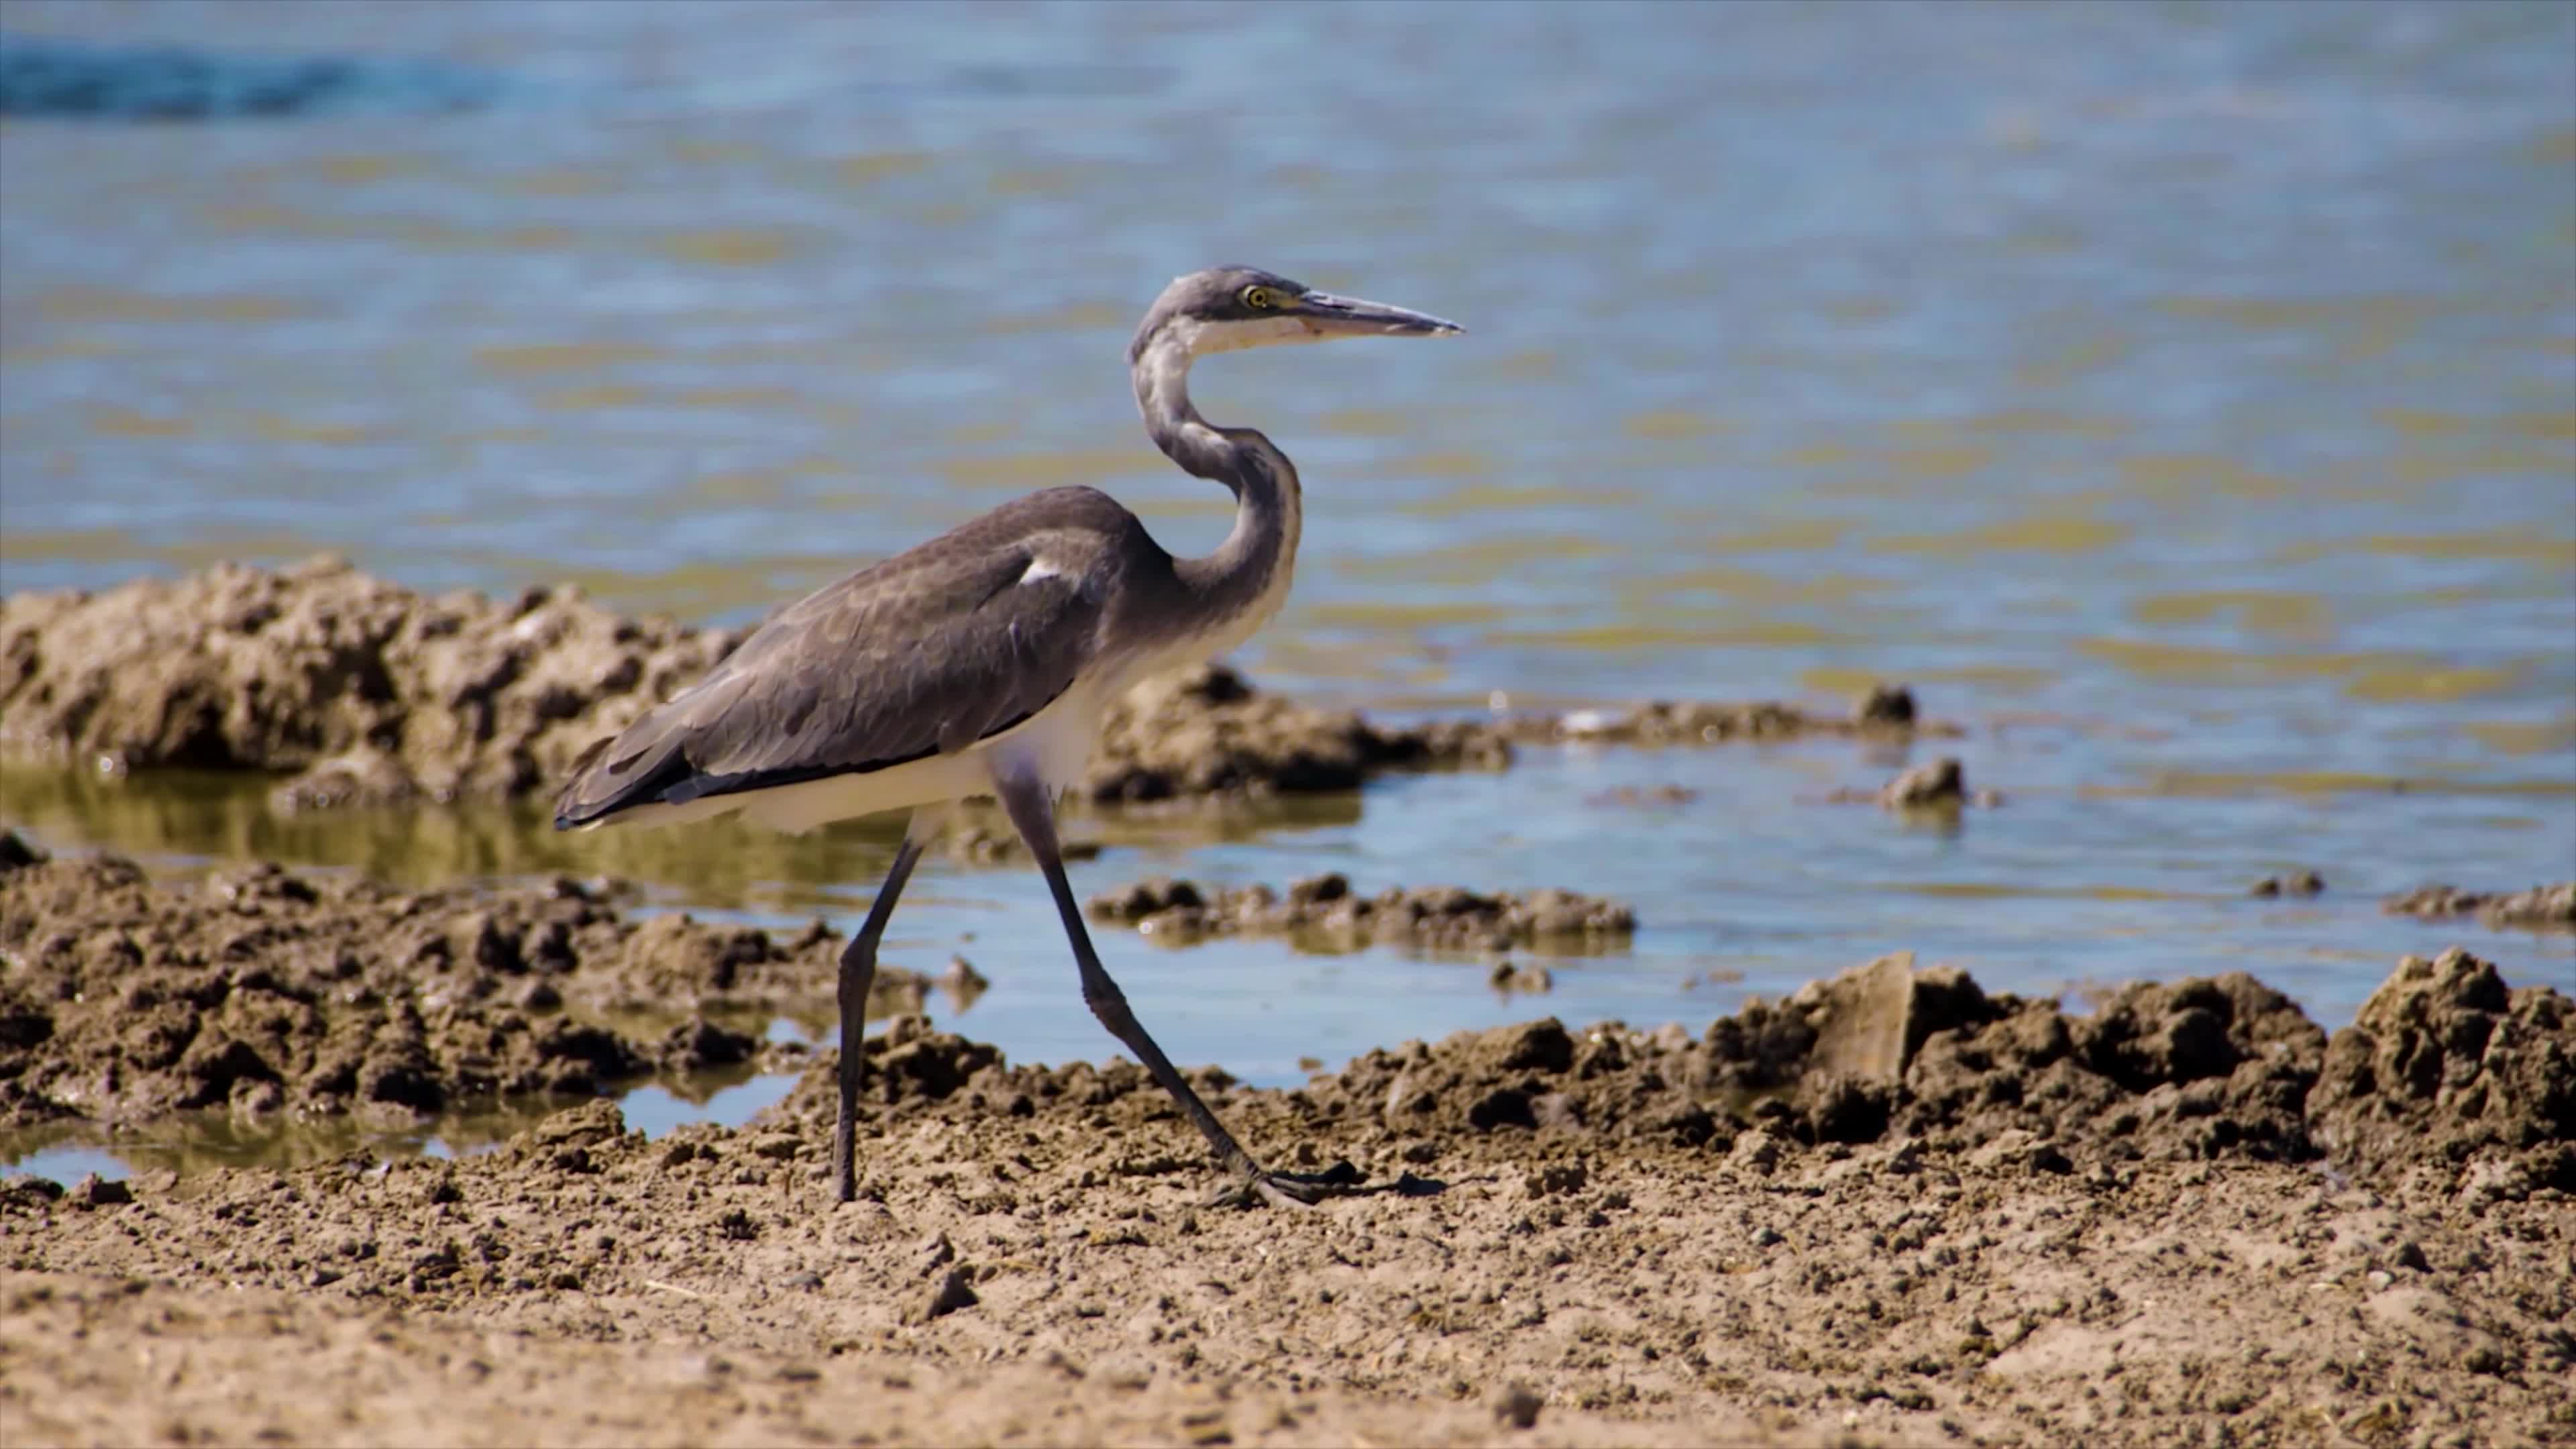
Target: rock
[[2296, 883], [17, 852], [1517, 1407], [954, 1290], [94, 1191], [1940, 785], [1885, 706], [962, 982]]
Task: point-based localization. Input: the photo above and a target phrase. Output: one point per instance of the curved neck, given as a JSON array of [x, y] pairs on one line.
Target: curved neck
[[1236, 587]]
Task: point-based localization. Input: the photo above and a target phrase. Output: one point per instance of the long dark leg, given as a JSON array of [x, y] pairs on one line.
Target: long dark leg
[[858, 978], [1033, 813]]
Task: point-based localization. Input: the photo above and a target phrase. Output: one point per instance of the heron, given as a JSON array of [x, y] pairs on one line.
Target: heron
[[978, 664]]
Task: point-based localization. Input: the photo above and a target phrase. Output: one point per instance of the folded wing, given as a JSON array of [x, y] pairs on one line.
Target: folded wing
[[924, 654]]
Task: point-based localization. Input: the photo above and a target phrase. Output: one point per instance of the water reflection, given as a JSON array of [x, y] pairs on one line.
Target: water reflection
[[199, 1141], [211, 817]]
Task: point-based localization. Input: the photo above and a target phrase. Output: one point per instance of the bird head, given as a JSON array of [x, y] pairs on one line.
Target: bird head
[[1224, 309]]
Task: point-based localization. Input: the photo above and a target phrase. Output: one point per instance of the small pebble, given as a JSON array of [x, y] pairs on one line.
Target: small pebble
[[1517, 1407]]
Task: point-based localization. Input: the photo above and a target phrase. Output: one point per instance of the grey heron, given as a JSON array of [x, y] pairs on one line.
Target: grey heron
[[979, 663]]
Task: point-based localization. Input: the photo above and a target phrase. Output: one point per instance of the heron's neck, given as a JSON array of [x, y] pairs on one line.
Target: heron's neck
[[1240, 585]]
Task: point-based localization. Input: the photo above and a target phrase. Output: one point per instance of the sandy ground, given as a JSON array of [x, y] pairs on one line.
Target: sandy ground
[[1892, 1209]]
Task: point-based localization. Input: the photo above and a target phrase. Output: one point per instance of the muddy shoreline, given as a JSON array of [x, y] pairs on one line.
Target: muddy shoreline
[[270, 991], [1892, 1206], [355, 690]]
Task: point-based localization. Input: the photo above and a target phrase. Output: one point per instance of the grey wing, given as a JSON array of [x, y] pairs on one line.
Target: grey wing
[[889, 665]]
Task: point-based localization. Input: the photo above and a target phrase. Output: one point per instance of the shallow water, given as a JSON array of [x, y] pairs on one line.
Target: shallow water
[[2184, 398]]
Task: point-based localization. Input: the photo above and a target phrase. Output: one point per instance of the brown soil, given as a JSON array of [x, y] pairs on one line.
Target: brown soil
[[1325, 907], [265, 990], [368, 689], [2539, 908], [1206, 731], [358, 690], [1892, 1206]]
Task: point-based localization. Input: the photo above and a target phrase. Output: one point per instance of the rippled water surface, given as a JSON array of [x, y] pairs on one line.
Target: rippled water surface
[[2182, 397]]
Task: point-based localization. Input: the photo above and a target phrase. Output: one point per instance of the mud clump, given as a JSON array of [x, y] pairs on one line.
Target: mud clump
[[2539, 908], [2293, 883], [1885, 711], [2441, 1067], [370, 690], [1436, 917], [1935, 786], [1206, 731], [265, 990], [2444, 1062], [2191, 1070]]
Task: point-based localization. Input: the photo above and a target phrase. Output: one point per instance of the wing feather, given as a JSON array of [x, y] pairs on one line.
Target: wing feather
[[924, 654]]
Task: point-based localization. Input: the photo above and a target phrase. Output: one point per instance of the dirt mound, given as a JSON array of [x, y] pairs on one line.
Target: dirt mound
[[2539, 908], [1205, 731], [2443, 1062], [372, 689], [2197, 1070], [265, 990], [1441, 917]]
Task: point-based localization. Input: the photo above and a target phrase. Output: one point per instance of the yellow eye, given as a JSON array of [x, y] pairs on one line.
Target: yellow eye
[[1257, 298]]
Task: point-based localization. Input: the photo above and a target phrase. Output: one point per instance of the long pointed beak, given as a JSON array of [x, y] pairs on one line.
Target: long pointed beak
[[1334, 316]]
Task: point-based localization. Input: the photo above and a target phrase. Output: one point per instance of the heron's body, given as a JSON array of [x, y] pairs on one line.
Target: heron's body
[[1050, 585], [979, 663]]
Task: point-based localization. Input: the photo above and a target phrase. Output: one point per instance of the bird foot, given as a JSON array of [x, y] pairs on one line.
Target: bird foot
[[1263, 1188]]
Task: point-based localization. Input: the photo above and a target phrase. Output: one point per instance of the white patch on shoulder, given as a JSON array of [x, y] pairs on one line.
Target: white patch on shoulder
[[1041, 569]]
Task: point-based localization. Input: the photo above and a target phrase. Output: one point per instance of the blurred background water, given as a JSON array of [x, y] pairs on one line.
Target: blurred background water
[[2182, 396]]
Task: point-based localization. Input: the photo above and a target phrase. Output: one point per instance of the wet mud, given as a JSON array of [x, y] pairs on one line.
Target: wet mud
[[360, 689], [1893, 1208], [2539, 908], [264, 990], [1207, 731], [1325, 910]]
